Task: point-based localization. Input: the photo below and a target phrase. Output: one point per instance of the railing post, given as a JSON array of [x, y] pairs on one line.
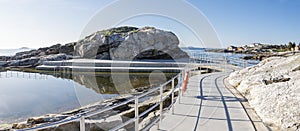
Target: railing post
[[82, 123], [161, 104], [179, 86], [136, 108], [172, 100]]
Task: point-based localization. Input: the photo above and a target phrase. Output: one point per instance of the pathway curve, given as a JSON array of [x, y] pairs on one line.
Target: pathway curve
[[207, 105]]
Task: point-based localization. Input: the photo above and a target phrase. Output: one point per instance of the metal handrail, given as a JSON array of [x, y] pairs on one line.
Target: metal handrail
[[81, 117], [122, 125], [216, 59]]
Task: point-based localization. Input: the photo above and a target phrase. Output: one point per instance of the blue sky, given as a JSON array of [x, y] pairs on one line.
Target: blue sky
[[36, 23], [246, 21]]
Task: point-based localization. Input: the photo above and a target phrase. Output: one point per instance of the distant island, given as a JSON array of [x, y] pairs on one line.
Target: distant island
[[11, 52], [261, 51]]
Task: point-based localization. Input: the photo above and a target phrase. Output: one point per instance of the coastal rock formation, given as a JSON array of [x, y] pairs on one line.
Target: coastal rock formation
[[34, 61], [55, 49], [272, 88], [3, 63], [122, 43], [130, 43], [55, 57], [33, 58]]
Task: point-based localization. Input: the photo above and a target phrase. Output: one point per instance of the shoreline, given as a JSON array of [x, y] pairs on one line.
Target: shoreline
[[256, 55]]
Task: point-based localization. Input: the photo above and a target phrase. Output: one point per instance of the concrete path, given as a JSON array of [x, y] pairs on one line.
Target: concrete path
[[207, 105]]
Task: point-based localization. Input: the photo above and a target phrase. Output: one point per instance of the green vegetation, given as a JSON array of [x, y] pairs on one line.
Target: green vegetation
[[285, 47], [281, 50], [119, 30], [291, 45]]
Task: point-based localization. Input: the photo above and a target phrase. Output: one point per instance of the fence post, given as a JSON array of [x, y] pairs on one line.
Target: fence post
[[172, 100], [179, 86], [161, 104], [136, 108], [82, 123]]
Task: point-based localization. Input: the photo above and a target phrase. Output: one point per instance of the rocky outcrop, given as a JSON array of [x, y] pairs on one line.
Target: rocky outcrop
[[3, 63], [129, 43], [272, 88], [55, 49], [33, 58], [34, 61], [98, 44], [55, 57], [122, 43], [39, 120]]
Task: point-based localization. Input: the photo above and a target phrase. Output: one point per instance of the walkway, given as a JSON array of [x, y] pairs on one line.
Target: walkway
[[206, 105]]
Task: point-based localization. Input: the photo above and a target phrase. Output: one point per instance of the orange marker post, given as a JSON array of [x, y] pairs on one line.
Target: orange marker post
[[185, 82]]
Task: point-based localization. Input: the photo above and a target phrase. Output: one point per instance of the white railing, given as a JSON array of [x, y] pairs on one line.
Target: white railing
[[238, 62], [23, 75], [162, 97], [207, 58]]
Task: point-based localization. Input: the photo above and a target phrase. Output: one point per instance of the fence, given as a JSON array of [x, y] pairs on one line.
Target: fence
[[220, 59], [162, 97], [23, 75], [81, 117]]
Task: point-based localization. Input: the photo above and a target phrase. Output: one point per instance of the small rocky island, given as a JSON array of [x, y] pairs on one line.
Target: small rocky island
[[272, 89], [122, 43]]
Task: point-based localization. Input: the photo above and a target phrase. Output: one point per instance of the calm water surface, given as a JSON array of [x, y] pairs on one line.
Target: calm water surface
[[24, 95]]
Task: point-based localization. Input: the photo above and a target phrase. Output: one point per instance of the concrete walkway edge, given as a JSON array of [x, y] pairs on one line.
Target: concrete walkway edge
[[256, 121]]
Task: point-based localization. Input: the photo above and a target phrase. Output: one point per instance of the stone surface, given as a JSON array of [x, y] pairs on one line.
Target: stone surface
[[45, 119], [143, 43], [272, 88], [3, 63], [34, 61], [55, 57]]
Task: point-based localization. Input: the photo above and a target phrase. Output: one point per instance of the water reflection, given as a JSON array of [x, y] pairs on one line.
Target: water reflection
[[24, 95], [102, 83]]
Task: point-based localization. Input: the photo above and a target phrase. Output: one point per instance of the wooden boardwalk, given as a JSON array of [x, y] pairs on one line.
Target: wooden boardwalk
[[206, 105]]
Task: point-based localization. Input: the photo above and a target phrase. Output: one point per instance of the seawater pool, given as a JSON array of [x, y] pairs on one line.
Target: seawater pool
[[24, 95]]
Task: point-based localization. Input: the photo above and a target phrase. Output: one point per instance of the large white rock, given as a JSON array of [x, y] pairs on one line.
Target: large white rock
[[128, 43], [273, 90]]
